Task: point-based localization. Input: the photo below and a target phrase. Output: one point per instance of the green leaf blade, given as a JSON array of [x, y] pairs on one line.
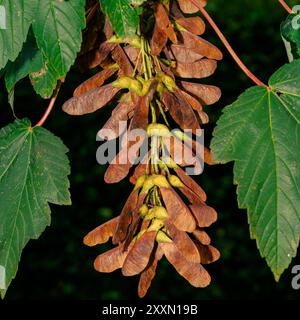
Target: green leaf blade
[[260, 132], [29, 60], [57, 29], [33, 171], [290, 33], [123, 16], [19, 16]]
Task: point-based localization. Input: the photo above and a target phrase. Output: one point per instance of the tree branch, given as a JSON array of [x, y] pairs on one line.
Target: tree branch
[[50, 106], [228, 46]]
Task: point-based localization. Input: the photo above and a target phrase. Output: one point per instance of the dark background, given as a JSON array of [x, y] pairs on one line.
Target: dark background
[[59, 266]]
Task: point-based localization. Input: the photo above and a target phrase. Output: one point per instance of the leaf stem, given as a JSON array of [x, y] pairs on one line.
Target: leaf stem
[[50, 106], [228, 46], [286, 6]]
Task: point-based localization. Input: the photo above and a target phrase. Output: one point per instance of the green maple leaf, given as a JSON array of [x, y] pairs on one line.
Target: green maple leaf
[[260, 132], [33, 172]]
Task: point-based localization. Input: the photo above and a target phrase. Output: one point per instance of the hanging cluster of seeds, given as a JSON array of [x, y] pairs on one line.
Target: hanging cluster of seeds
[[166, 213]]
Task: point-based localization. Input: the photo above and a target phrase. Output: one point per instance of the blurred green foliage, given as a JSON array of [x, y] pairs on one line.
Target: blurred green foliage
[[58, 266]]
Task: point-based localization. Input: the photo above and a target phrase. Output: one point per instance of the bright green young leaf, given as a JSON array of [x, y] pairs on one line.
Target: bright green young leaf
[[33, 172], [57, 28], [260, 132], [123, 16], [290, 31], [18, 18], [29, 60]]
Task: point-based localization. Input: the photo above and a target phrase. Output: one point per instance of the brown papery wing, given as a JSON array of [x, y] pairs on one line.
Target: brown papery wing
[[207, 94], [91, 101], [125, 217], [102, 233], [204, 214], [110, 260], [158, 41], [180, 110], [95, 81], [183, 243], [120, 57], [194, 25], [164, 23], [208, 254], [197, 70], [194, 273], [179, 213], [149, 273], [123, 112], [190, 183], [139, 256], [201, 46], [184, 55]]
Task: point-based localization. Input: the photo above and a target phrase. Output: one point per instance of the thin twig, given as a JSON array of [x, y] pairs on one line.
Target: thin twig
[[50, 106], [228, 46], [286, 6], [91, 13]]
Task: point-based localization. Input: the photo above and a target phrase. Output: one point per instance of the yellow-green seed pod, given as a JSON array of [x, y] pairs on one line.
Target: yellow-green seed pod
[[150, 215], [175, 181], [140, 182], [158, 129], [161, 88], [169, 162], [161, 237], [160, 212], [169, 83], [148, 184], [156, 225], [146, 86], [129, 83], [160, 181], [143, 211], [181, 135]]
